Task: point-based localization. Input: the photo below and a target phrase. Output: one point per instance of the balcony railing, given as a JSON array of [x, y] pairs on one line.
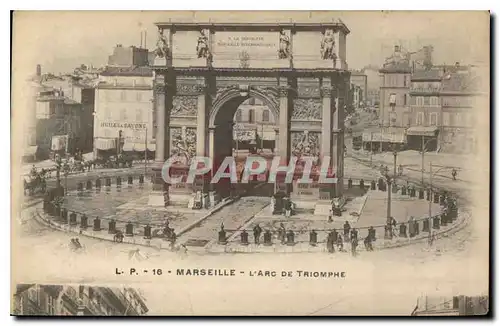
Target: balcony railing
[[425, 89]]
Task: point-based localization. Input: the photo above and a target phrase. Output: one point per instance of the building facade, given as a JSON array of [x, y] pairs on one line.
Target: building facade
[[58, 122], [452, 306], [123, 115], [460, 97], [394, 90], [57, 300], [360, 82]]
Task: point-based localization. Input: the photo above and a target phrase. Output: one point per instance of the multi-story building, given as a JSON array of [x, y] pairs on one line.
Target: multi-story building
[[451, 306], [57, 300], [58, 122], [459, 95], [123, 116], [254, 126], [373, 85], [442, 98], [424, 119], [360, 82], [395, 89], [394, 101]]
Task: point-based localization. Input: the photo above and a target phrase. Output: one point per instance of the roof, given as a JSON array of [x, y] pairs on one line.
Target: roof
[[402, 66], [459, 82], [427, 74], [127, 71]]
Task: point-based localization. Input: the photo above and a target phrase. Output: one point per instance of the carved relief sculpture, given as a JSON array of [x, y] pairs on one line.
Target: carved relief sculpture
[[184, 106], [305, 144], [162, 49], [244, 59], [284, 50], [183, 144], [328, 46], [307, 109], [202, 47]]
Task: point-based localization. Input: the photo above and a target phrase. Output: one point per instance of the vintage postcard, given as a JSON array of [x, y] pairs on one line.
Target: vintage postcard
[[250, 163]]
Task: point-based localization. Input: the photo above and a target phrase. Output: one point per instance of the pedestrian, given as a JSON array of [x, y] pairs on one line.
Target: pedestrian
[[288, 207], [257, 230], [368, 243], [340, 243], [347, 229], [354, 245], [282, 233], [330, 243], [454, 174]]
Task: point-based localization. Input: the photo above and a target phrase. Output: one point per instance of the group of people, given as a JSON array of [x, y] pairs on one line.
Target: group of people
[[75, 245], [335, 239]]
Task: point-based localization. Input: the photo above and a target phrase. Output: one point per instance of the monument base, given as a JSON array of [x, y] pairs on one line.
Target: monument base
[[157, 199], [323, 206]]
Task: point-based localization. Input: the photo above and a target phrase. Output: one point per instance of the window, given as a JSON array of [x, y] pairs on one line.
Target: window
[[404, 98], [138, 115], [446, 118], [404, 80], [123, 96], [413, 100], [138, 97], [52, 107], [434, 101], [392, 99], [251, 116], [265, 116], [426, 100], [458, 119], [238, 116], [420, 118], [123, 115], [433, 119], [51, 305], [420, 101]]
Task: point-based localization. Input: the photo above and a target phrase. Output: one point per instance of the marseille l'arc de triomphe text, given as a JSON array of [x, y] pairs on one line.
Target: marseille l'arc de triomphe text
[[204, 71]]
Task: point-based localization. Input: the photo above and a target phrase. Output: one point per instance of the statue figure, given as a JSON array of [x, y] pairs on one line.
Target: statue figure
[[162, 50], [202, 46], [284, 51], [328, 45]]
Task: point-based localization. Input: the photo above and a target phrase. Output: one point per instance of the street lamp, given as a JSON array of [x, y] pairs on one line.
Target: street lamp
[[424, 145], [58, 171]]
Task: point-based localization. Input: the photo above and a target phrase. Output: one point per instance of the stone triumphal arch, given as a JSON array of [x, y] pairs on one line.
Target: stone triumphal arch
[[203, 72]]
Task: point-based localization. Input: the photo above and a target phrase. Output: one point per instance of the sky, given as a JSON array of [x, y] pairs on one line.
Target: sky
[[62, 40]]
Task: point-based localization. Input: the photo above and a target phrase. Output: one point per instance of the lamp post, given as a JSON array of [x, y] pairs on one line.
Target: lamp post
[[58, 171], [424, 145], [66, 172]]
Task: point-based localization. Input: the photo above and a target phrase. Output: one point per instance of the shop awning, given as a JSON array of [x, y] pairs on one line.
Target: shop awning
[[30, 150], [105, 144], [128, 147], [138, 147], [389, 136], [422, 131]]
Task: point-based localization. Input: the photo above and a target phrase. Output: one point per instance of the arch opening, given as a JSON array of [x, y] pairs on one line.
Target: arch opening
[[243, 126]]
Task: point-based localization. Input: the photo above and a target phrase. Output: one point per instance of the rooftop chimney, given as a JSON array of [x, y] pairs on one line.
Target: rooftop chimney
[[38, 70]]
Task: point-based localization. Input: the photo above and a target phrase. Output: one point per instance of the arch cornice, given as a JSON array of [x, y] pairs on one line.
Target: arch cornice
[[268, 95]]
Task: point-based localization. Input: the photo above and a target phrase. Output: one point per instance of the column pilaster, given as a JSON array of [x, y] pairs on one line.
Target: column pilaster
[[284, 130], [163, 101]]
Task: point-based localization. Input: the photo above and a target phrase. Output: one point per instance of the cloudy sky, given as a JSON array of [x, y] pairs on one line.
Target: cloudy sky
[[59, 41]]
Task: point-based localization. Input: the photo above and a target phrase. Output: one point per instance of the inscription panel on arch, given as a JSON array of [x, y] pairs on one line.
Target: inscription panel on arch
[[247, 50]]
